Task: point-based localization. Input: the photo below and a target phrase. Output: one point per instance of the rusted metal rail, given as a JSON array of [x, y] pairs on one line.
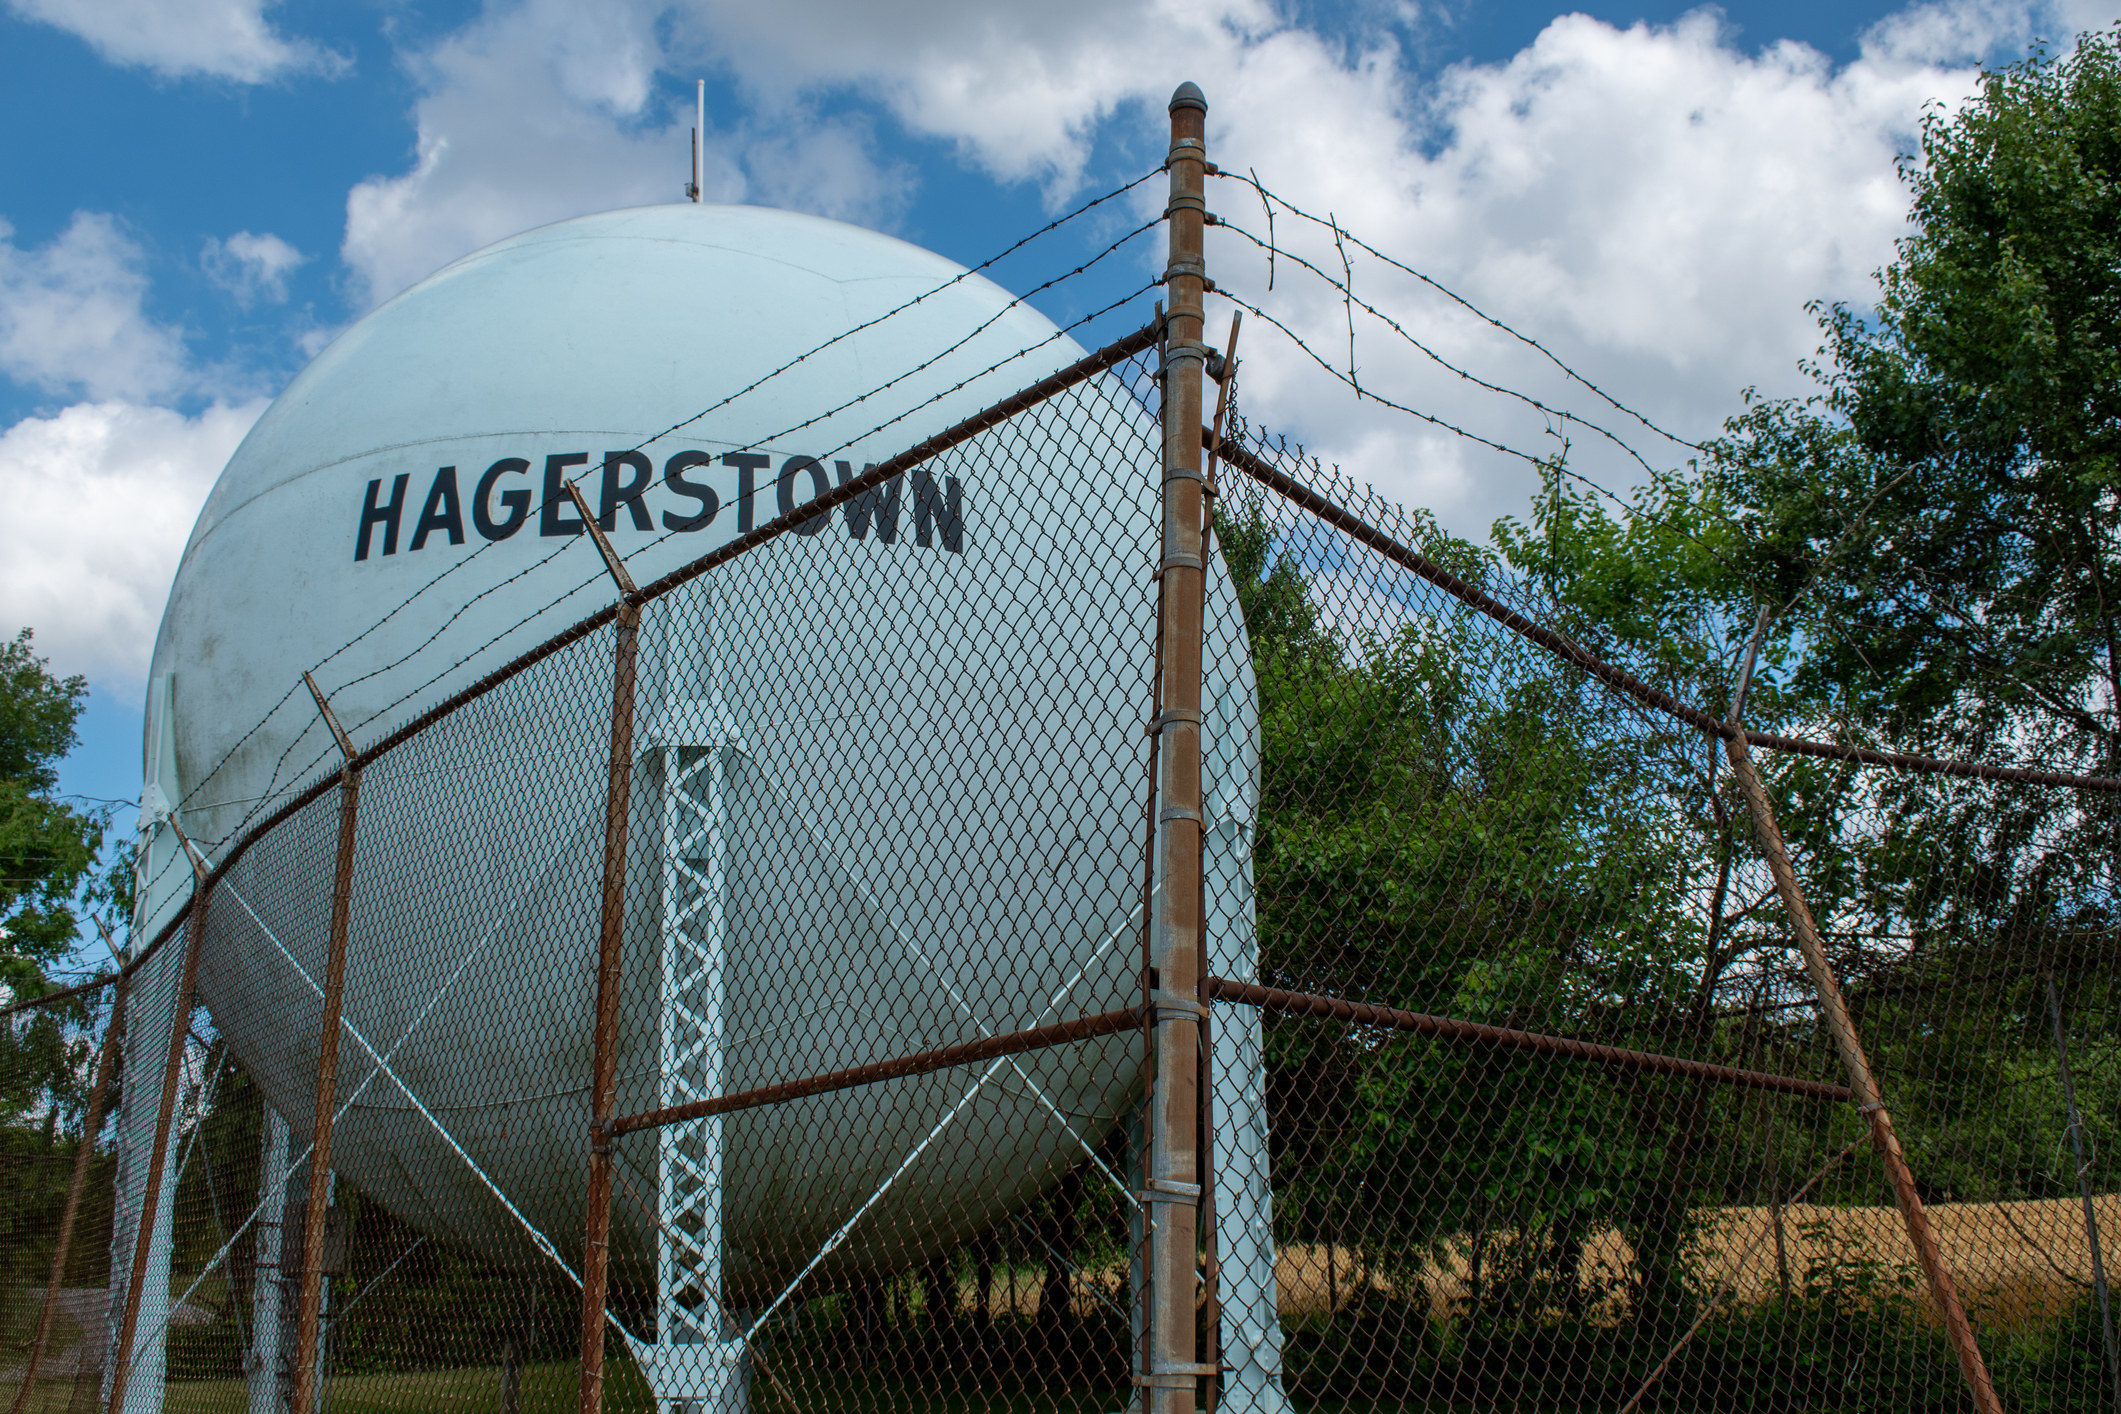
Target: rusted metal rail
[[309, 1301], [1444, 1028], [1223, 989], [611, 944], [919, 1063], [1870, 1102]]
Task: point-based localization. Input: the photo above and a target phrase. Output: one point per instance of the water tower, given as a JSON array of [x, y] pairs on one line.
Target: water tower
[[889, 781]]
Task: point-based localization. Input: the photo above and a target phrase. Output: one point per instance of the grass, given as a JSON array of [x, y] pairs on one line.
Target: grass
[[552, 1389], [2018, 1266]]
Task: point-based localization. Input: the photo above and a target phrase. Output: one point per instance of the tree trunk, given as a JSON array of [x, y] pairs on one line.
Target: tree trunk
[[1056, 1304]]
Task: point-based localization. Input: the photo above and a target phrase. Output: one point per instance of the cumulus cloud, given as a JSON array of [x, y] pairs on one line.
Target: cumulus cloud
[[223, 39], [1021, 89], [251, 267], [1656, 203], [541, 111], [71, 316], [100, 499]]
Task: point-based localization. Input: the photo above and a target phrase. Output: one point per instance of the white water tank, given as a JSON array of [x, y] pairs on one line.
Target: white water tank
[[931, 740]]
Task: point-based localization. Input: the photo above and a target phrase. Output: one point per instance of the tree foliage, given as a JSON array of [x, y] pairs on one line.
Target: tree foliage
[[48, 848], [1454, 823]]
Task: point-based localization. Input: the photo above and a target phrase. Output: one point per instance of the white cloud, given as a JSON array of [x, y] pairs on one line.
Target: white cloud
[[71, 317], [1654, 203], [225, 39], [101, 497], [1021, 88], [251, 267], [538, 112], [1979, 32]]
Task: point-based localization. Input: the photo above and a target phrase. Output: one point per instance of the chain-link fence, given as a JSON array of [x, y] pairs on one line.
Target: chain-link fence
[[760, 994], [1513, 855]]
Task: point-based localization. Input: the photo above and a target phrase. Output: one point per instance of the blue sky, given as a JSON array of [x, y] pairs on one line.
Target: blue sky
[[197, 194]]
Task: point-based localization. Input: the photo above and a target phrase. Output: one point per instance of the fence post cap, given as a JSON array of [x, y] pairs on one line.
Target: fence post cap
[[1188, 95]]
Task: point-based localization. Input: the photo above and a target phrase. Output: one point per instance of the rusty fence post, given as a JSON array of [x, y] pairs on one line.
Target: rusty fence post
[[106, 1062], [611, 939], [172, 1074], [1865, 1087], [1172, 1188], [310, 1300]]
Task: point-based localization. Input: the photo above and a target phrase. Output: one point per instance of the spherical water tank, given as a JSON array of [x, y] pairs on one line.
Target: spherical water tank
[[892, 770]]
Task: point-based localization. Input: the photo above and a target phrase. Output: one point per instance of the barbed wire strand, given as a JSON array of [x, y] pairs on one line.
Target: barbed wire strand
[[1357, 302], [1015, 246], [1251, 179]]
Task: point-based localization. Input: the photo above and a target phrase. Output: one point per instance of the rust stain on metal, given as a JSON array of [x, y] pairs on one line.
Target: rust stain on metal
[[309, 1302], [611, 939], [918, 1063]]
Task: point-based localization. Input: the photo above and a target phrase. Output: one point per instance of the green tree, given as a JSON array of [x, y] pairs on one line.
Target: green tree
[[1933, 530], [1940, 517], [1455, 823], [48, 848]]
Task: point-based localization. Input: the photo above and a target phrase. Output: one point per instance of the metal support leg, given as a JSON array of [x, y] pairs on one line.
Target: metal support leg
[[262, 1365], [694, 1367]]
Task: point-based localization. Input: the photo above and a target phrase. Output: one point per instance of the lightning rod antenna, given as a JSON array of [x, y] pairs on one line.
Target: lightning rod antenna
[[699, 125]]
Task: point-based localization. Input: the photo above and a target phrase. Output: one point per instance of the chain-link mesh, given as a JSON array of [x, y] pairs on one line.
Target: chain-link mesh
[[1519, 1091], [887, 778], [1459, 822]]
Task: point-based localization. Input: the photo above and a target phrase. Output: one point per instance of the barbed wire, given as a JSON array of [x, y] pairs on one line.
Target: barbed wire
[[1050, 226], [1354, 300], [1267, 197], [1451, 427]]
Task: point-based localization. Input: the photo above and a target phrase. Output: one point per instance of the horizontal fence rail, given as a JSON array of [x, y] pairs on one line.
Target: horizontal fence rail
[[1444, 1028], [1288, 487], [1016, 1043]]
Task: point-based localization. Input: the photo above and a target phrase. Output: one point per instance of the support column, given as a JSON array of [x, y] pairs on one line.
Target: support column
[[263, 1362], [611, 942], [1868, 1101], [1172, 1189], [309, 1304]]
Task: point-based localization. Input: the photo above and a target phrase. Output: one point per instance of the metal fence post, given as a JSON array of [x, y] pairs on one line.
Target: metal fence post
[[1861, 1082], [309, 1303], [172, 1074], [106, 1062], [1172, 1189], [611, 939]]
